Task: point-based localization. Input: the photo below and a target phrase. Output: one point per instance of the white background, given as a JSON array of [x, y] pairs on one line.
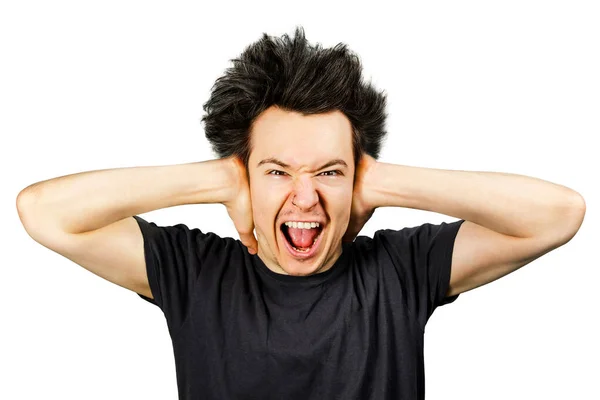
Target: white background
[[511, 87]]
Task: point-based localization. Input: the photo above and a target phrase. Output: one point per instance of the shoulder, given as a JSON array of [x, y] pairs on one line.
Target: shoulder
[[180, 238], [419, 234], [409, 242]]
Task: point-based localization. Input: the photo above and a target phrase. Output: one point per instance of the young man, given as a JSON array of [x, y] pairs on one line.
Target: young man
[[304, 309]]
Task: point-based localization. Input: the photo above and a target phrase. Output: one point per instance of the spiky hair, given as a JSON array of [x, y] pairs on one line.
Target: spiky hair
[[295, 76]]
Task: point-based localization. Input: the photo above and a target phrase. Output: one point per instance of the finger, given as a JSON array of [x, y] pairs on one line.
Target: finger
[[249, 235], [250, 242]]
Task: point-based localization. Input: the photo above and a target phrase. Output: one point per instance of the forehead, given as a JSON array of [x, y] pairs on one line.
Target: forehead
[[301, 140]]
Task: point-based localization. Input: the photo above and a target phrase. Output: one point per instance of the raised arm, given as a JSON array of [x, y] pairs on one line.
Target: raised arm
[[88, 217]]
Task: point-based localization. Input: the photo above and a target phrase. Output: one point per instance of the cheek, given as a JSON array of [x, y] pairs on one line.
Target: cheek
[[344, 198], [344, 206], [269, 194], [264, 210]]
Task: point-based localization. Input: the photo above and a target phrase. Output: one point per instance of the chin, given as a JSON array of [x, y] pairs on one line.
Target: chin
[[295, 268]]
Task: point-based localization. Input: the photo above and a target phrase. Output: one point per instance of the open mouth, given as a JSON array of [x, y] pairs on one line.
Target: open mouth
[[298, 250]]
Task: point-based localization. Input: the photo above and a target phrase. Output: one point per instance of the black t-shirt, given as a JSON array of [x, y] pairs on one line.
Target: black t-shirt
[[355, 331]]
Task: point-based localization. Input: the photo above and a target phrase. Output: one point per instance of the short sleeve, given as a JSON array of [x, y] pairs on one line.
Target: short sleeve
[[422, 256], [173, 264]]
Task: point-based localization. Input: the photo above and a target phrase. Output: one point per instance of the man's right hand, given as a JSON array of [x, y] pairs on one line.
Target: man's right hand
[[239, 206]]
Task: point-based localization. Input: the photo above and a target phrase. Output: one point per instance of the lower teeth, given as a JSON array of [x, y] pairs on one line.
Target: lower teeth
[[308, 249], [301, 251]]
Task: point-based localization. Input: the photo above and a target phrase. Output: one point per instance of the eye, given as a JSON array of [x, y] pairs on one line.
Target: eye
[[281, 173], [278, 173], [336, 173]]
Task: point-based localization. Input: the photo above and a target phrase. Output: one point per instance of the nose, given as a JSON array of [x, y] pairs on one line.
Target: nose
[[305, 196]]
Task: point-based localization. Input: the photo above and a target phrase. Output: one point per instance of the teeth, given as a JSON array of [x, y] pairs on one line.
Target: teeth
[[305, 251], [301, 251], [302, 225]]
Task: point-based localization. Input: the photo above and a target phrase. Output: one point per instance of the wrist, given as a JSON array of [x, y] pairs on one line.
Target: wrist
[[212, 182], [372, 182], [233, 174]]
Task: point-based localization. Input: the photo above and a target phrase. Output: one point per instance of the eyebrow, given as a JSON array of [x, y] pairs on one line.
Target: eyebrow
[[273, 160]]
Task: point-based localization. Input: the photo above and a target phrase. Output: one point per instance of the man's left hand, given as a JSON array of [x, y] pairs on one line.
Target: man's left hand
[[362, 204]]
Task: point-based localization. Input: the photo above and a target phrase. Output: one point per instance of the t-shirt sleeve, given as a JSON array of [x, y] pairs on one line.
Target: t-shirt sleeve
[[422, 256], [173, 263]]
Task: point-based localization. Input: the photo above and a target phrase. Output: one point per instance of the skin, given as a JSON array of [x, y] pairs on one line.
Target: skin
[[305, 143], [519, 216]]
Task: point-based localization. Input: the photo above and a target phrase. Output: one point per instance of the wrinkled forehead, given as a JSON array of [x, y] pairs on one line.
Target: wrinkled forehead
[[299, 140]]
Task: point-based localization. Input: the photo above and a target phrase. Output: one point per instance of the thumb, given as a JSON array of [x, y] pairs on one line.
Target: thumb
[[249, 240]]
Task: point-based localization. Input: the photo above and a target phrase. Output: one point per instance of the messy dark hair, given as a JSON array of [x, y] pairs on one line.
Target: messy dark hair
[[294, 76]]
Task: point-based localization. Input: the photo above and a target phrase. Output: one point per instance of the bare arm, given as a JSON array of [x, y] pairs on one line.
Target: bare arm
[[87, 216], [90, 200]]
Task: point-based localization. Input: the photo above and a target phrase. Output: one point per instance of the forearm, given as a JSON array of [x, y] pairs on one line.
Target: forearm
[[511, 204], [90, 200]]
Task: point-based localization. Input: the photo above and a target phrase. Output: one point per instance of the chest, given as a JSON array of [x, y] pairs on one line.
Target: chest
[[268, 342]]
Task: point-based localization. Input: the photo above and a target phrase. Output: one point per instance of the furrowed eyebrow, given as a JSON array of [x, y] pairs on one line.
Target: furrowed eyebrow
[[273, 160]]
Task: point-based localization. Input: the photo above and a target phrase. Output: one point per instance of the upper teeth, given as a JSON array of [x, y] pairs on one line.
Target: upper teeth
[[302, 225]]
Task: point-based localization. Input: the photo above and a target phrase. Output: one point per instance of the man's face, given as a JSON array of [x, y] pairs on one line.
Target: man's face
[[302, 190]]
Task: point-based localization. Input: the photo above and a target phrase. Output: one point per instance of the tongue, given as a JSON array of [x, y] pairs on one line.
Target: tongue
[[302, 238]]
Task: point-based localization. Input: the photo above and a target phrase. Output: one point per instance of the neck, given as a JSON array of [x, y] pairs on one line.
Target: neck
[[276, 266]]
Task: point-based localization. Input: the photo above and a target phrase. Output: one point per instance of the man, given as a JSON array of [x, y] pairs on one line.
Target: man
[[310, 310]]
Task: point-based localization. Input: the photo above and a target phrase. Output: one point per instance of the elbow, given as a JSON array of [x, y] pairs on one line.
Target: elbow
[[24, 200], [24, 203], [572, 217]]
